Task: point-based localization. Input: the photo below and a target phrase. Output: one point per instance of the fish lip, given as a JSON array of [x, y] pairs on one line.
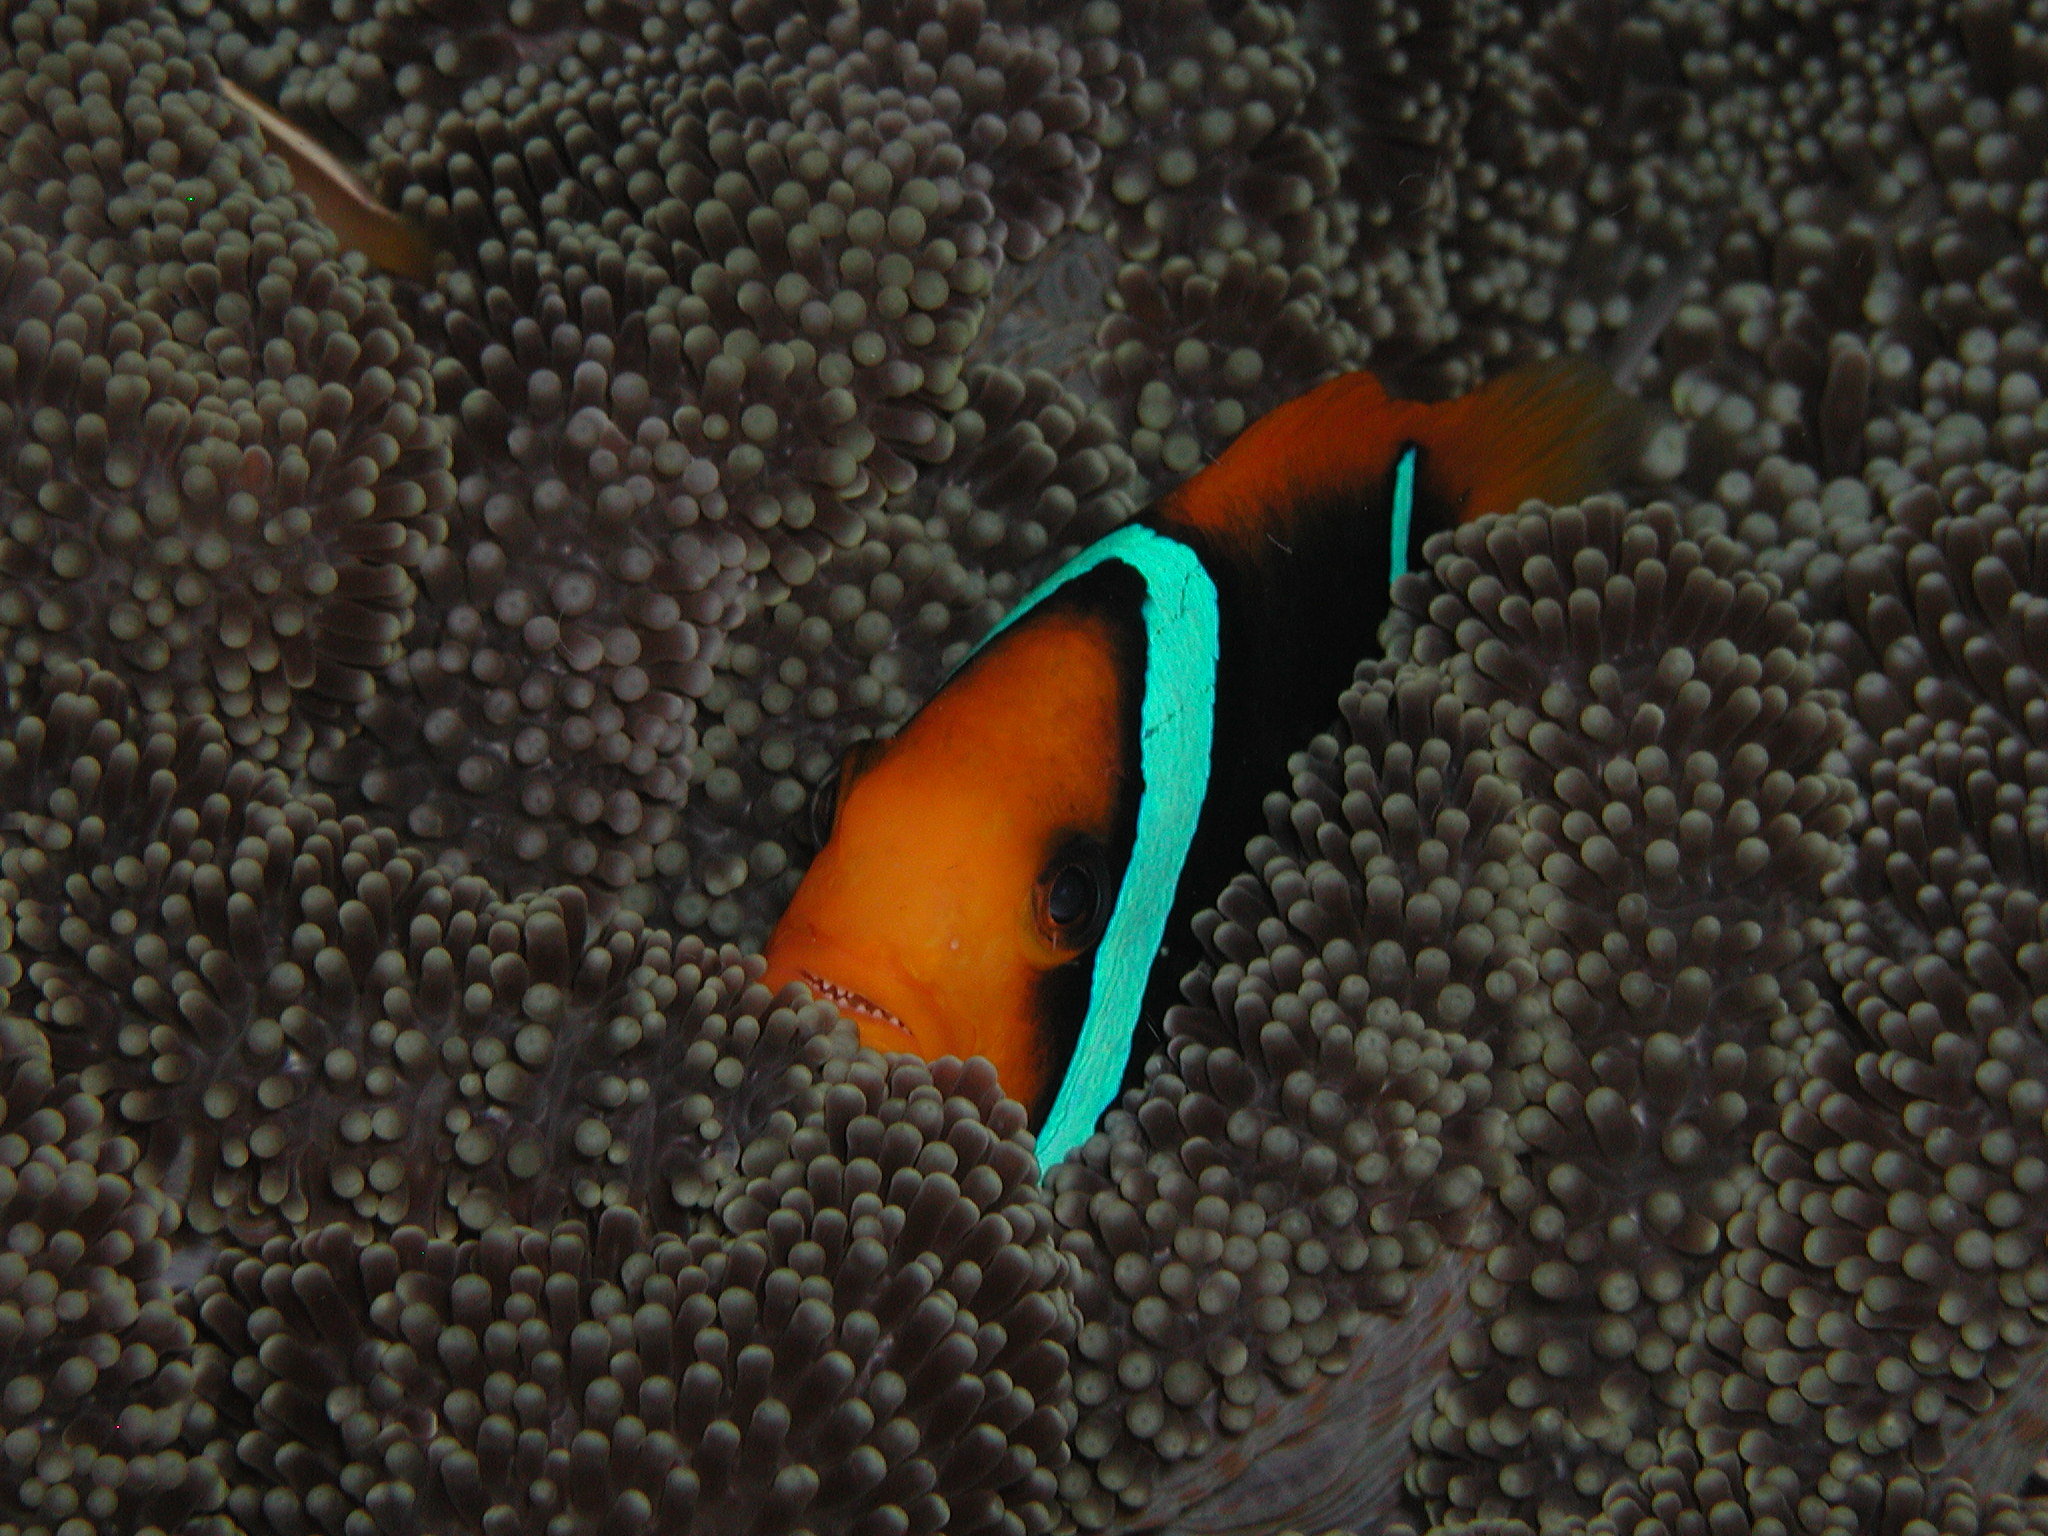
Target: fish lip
[[846, 1000]]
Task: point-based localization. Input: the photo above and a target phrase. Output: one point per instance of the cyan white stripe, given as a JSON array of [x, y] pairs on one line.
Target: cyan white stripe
[[1176, 723], [1404, 512]]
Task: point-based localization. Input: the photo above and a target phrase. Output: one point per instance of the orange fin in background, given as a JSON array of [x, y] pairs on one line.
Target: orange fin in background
[[360, 223], [1554, 431]]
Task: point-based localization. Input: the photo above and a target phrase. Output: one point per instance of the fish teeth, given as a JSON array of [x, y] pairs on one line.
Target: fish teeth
[[845, 998]]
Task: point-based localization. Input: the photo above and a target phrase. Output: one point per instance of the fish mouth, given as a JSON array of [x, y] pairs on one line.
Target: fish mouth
[[848, 1001]]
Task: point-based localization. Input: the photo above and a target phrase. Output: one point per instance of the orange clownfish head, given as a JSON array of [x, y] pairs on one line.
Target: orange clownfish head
[[972, 860]]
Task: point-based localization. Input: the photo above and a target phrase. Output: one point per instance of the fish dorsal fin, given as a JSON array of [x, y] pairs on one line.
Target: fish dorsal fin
[[1553, 431]]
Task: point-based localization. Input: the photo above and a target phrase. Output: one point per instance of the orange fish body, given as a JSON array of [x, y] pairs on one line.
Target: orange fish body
[[1004, 877]]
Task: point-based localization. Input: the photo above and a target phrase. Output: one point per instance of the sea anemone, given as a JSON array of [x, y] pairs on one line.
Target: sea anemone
[[1612, 1097]]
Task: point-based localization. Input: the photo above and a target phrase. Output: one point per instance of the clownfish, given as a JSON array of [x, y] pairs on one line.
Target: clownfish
[[1007, 875], [360, 223]]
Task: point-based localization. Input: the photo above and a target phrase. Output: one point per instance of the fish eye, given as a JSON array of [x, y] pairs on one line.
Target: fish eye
[[821, 812], [1072, 894], [823, 808], [1071, 900]]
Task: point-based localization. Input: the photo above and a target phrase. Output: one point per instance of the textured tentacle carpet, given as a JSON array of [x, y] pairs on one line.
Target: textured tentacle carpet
[[1616, 1096]]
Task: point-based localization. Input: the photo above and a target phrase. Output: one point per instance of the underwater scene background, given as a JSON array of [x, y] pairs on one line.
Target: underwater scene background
[[1615, 1098]]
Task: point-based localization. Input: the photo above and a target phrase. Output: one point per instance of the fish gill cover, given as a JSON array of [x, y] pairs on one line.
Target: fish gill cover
[[1614, 1100]]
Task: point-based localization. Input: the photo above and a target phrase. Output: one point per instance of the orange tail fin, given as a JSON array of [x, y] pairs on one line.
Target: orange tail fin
[[1553, 431]]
